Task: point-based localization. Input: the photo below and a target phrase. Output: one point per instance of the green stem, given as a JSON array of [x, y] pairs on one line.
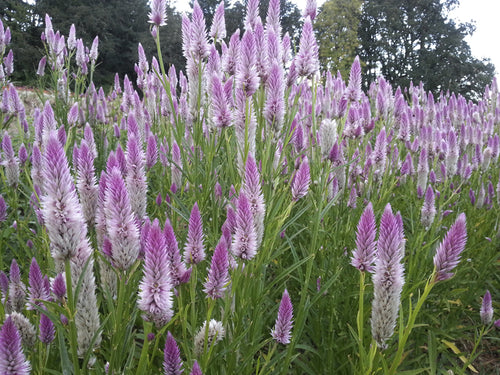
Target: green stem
[[360, 319], [71, 318], [411, 323]]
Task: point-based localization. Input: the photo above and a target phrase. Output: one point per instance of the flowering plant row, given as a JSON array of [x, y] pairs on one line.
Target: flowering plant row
[[224, 219]]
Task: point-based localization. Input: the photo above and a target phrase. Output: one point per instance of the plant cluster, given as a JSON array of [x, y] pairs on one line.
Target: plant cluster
[[249, 215]]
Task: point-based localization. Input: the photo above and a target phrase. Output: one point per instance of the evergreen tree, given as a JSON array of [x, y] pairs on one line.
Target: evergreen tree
[[412, 41], [19, 16], [336, 29], [120, 25]]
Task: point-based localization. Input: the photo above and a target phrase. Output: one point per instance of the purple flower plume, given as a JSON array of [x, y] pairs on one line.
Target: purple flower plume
[[12, 359], [3, 209], [221, 115], [306, 61], [283, 326], [47, 329], [449, 250], [218, 29], [198, 44], [172, 363], [364, 255], [274, 108], [155, 295], [59, 286], [158, 14], [247, 78], [428, 212], [244, 243], [194, 251], [196, 370], [122, 229], [136, 177], [61, 209], [178, 271], [17, 289], [218, 276], [388, 278], [252, 189], [486, 311], [301, 181], [353, 90], [37, 287]]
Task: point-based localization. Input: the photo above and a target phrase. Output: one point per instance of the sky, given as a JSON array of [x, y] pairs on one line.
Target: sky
[[484, 43]]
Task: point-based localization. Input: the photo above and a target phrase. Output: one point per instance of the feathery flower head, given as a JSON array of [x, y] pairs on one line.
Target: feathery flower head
[[283, 326], [244, 243], [486, 311], [93, 50], [310, 9], [47, 329], [196, 370], [194, 251], [37, 288], [449, 250], [252, 15], [122, 229], [247, 78], [353, 90], [158, 14], [428, 212], [12, 359], [218, 29], [172, 362], [26, 330], [388, 278], [301, 180], [3, 209], [59, 286], [178, 271], [252, 189], [214, 333], [306, 61], [155, 295], [198, 44], [364, 255], [218, 276], [273, 17]]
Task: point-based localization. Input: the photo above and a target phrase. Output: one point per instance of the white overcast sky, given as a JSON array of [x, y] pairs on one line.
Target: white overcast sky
[[485, 42]]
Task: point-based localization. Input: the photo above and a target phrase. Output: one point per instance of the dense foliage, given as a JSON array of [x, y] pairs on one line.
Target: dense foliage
[[249, 214]]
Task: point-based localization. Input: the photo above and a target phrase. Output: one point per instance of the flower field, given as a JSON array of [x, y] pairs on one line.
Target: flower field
[[250, 215]]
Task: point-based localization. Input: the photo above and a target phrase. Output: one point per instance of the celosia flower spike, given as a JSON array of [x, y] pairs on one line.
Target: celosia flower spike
[[388, 278], [353, 91], [12, 359], [306, 61], [244, 243], [37, 290], [196, 370], [172, 363], [155, 295], [158, 14], [486, 311], [218, 276], [301, 181], [283, 326], [194, 251], [364, 255], [449, 250], [218, 29], [214, 333], [122, 229]]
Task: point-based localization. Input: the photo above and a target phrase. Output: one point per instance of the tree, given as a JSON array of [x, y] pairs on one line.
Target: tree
[[412, 41], [19, 16], [120, 25], [336, 29]]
